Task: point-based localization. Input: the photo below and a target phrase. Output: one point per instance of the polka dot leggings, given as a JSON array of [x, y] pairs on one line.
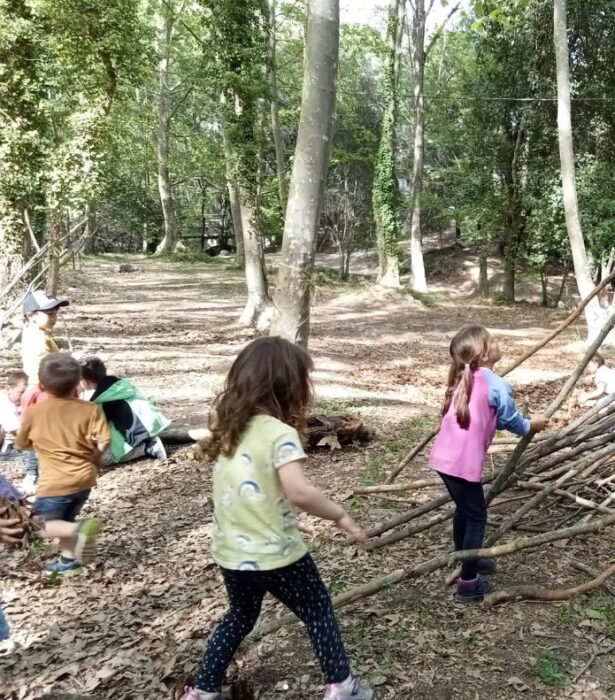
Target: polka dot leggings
[[297, 586]]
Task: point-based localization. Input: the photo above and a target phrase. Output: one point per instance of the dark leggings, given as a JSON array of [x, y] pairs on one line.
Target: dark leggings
[[301, 589], [470, 519]]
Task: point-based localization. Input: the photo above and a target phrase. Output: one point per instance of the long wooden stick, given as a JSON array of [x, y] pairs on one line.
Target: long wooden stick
[[579, 566], [592, 505], [554, 333], [443, 560], [390, 488], [538, 593]]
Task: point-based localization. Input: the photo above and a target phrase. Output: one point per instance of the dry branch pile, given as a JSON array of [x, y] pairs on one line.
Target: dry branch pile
[[558, 487]]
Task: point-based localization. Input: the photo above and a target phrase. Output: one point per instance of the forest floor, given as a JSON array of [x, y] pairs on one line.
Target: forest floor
[[133, 626]]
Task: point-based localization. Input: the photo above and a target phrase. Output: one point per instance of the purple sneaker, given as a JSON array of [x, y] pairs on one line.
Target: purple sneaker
[[472, 591]]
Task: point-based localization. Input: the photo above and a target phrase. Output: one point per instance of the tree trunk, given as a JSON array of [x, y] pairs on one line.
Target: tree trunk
[[258, 306], [55, 236], [510, 265], [385, 195], [233, 195], [292, 298], [483, 273], [594, 314], [275, 109], [171, 232], [544, 286], [418, 280]]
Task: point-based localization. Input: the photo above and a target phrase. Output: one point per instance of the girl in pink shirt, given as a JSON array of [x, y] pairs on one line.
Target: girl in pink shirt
[[477, 403]]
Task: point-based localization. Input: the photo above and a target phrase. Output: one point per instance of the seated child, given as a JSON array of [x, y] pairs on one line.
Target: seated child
[[10, 402], [604, 378], [135, 423], [69, 437], [40, 312]]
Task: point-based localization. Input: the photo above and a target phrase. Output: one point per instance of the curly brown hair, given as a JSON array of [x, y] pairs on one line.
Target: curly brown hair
[[270, 376]]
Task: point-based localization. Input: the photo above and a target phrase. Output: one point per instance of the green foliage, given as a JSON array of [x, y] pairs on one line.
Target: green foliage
[[548, 668]]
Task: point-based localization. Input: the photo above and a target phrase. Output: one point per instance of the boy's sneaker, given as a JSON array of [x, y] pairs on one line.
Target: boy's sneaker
[[155, 449], [28, 485], [472, 591], [486, 566], [87, 532], [350, 689], [64, 567], [196, 694]]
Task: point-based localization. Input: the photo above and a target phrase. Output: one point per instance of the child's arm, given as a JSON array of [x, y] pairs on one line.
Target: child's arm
[[508, 415], [22, 439], [311, 500]]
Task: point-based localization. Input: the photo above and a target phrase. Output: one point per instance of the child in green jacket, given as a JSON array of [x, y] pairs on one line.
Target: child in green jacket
[[135, 422]]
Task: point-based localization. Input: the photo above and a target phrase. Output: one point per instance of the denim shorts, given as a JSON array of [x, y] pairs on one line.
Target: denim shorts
[[61, 507]]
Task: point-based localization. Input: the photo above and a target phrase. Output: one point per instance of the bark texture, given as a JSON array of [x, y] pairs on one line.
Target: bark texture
[[291, 318]]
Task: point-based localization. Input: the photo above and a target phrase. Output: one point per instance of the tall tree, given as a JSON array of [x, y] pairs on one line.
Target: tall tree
[[233, 196], [418, 279], [240, 55], [385, 193], [166, 20], [293, 292], [594, 314]]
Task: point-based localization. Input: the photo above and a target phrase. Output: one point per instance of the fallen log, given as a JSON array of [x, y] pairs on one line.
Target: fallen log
[[333, 432], [528, 592]]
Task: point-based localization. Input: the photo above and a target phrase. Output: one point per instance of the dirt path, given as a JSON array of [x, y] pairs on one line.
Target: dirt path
[[134, 626]]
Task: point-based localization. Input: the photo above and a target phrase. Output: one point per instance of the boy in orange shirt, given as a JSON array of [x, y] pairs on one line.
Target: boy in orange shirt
[[69, 436]]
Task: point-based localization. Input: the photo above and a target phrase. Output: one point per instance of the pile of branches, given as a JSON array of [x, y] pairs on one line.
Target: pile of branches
[[558, 487]]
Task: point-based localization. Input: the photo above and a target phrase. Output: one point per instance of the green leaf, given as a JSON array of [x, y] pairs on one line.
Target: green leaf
[[594, 614]]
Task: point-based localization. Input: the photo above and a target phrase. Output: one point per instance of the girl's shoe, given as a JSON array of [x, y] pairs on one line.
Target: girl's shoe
[[486, 566], [196, 694], [64, 567], [472, 591], [85, 547], [352, 689]]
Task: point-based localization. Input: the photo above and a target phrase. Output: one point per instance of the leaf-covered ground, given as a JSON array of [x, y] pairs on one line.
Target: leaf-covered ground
[[134, 625]]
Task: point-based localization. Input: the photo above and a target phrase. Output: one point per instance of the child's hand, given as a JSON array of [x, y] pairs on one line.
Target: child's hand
[[538, 424], [356, 532], [11, 531]]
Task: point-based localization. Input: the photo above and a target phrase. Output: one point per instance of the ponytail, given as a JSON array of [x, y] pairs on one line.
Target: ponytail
[[467, 349], [462, 398], [460, 385]]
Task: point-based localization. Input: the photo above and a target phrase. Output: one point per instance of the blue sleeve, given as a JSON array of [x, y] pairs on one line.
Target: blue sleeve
[[508, 415]]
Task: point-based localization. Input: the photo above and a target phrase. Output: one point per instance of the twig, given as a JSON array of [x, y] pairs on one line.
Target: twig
[[592, 658], [390, 488], [594, 573], [537, 593]]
